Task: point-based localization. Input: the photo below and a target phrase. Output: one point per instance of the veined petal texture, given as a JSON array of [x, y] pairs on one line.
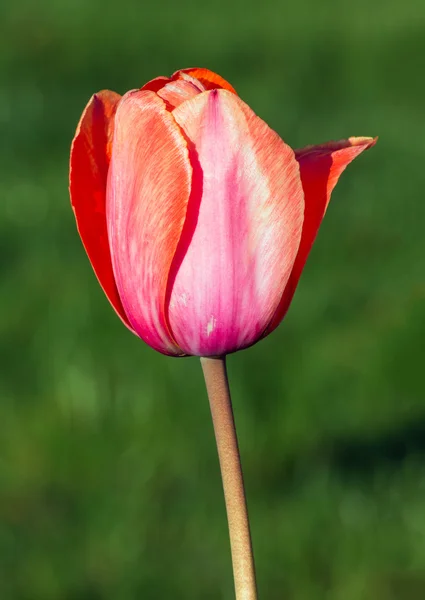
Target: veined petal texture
[[147, 195], [242, 229]]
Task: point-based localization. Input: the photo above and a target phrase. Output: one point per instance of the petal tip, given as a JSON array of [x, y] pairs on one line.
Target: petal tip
[[366, 141], [209, 79]]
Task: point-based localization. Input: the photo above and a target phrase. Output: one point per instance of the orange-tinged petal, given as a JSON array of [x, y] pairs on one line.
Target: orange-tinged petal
[[185, 84], [242, 230], [148, 191], [320, 167], [209, 79], [176, 92], [89, 163]]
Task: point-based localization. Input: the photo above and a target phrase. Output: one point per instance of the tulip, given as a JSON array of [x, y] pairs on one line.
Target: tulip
[[196, 216], [198, 219]]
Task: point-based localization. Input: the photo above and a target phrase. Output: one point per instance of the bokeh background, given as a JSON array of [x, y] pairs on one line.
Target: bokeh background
[[109, 480]]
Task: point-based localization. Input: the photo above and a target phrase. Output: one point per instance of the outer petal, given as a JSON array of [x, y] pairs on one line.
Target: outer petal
[[244, 222], [147, 196], [320, 168], [90, 157], [209, 79]]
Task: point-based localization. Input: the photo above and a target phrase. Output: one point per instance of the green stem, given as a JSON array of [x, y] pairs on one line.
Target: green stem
[[217, 384]]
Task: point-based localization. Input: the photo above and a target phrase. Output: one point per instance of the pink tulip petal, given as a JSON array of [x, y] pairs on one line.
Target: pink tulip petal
[[321, 167], [242, 231], [147, 196], [182, 76], [90, 157], [176, 92]]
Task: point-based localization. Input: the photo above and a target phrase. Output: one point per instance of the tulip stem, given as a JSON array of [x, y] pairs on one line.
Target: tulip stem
[[217, 384]]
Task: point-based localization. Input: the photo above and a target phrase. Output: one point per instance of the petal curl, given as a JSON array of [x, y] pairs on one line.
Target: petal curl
[[147, 195], [320, 167], [244, 223], [154, 85], [90, 157], [209, 79], [176, 92], [186, 83]]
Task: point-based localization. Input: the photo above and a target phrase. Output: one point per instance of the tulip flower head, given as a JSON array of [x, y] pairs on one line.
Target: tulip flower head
[[198, 219], [196, 216]]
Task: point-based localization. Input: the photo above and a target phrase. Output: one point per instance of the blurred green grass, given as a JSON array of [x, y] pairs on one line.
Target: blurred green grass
[[109, 481]]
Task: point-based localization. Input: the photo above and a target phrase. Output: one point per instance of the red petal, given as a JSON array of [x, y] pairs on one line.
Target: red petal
[[154, 85], [90, 157], [209, 79], [320, 168]]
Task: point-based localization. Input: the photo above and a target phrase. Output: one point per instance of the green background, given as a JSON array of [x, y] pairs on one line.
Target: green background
[[109, 480]]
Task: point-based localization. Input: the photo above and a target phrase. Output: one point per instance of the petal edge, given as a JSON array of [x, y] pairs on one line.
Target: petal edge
[[147, 195], [89, 163], [209, 79], [320, 168]]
